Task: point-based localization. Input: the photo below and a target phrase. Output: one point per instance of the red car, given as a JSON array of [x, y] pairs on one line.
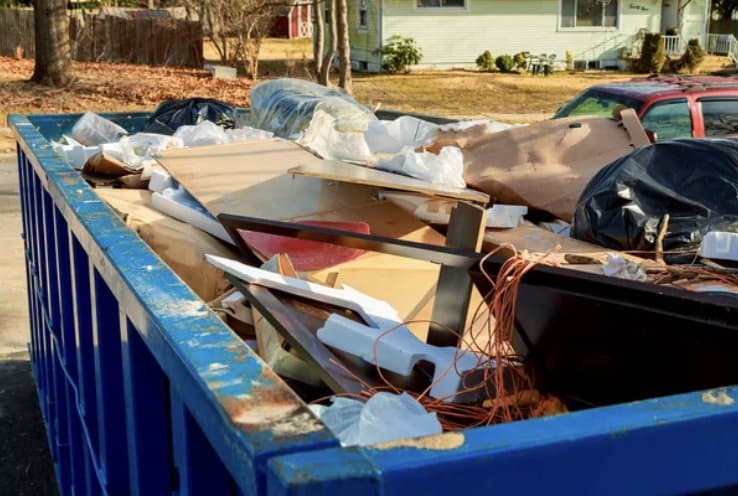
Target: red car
[[670, 107]]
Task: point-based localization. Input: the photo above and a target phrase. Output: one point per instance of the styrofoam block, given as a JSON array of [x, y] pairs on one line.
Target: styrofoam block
[[505, 216], [399, 351], [161, 180], [721, 245]]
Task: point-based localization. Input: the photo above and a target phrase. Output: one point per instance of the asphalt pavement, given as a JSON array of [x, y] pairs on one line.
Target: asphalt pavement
[[25, 463]]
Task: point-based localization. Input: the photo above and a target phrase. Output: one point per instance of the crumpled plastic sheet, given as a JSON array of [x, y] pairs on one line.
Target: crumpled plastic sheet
[[92, 129], [139, 150], [385, 417], [208, 133], [286, 106], [446, 168], [322, 137]]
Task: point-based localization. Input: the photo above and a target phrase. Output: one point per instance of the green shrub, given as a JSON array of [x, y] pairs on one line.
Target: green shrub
[[672, 32], [399, 53], [520, 61], [486, 62], [653, 54], [505, 63]]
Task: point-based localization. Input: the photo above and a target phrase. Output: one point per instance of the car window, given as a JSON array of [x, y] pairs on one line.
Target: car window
[[669, 120], [597, 103], [720, 116]]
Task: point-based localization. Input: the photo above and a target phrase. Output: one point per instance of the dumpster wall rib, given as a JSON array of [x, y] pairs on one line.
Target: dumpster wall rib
[[142, 389]]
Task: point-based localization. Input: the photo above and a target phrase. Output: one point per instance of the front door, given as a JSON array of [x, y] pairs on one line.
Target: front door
[[696, 17]]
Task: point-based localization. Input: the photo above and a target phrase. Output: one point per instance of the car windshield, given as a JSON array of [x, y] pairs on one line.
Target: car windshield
[[596, 102]]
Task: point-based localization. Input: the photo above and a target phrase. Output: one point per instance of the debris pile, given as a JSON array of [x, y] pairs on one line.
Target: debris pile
[[409, 277]]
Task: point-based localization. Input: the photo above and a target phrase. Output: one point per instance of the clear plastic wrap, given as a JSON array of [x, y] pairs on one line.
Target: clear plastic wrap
[[286, 107], [446, 168], [92, 129]]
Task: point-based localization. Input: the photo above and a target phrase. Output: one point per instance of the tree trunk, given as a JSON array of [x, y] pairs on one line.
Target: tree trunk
[[318, 37], [325, 72], [53, 54], [344, 48]]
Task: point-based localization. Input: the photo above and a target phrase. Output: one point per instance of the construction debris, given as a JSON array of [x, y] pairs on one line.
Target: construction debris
[[416, 303]]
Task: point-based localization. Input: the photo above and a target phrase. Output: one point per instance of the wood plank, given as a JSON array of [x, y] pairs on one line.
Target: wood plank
[[335, 170]]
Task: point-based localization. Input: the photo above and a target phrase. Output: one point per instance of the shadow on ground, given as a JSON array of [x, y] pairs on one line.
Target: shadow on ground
[[25, 464]]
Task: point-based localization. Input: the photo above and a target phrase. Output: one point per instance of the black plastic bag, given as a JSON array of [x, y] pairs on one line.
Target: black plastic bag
[[695, 181], [171, 114]]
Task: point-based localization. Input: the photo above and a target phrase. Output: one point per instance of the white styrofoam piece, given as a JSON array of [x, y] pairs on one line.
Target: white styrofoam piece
[[399, 351], [721, 245], [373, 311], [75, 153], [161, 180], [505, 216], [174, 207]]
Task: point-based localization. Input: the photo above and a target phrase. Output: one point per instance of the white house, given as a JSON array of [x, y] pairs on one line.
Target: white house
[[452, 33]]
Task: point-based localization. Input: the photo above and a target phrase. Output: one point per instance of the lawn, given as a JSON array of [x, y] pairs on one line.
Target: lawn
[[119, 87]]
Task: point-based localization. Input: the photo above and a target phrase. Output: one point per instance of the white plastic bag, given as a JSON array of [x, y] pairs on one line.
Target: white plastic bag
[[323, 138], [446, 168], [403, 132], [92, 129], [139, 150], [383, 418], [205, 133]]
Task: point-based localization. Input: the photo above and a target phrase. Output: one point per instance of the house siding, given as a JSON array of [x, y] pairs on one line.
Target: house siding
[[365, 42], [454, 38]]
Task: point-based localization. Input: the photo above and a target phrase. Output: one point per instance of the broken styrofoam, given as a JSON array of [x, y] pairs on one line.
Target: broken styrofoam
[[398, 350], [446, 168], [322, 137], [179, 204], [620, 267], [209, 133], [385, 417], [161, 180], [505, 216], [74, 152], [92, 129], [720, 245], [370, 309], [399, 134]]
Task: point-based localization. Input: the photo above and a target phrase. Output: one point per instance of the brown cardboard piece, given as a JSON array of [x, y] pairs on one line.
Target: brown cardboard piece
[[104, 170], [545, 165], [179, 245]]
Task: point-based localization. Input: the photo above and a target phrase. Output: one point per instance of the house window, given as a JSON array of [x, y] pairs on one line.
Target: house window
[[589, 13], [363, 14], [449, 4]]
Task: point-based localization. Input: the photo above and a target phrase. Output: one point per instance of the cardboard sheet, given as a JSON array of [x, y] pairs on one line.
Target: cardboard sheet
[[179, 245], [545, 165]]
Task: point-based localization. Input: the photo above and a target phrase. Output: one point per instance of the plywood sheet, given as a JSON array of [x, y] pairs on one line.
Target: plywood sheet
[[341, 171]]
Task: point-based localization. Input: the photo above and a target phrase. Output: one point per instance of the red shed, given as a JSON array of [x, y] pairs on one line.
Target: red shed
[[298, 23]]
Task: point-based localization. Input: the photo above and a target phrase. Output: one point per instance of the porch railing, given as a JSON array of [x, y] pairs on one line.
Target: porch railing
[[722, 44], [673, 45]]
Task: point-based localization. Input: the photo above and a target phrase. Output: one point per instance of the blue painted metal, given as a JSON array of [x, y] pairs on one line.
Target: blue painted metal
[[672, 445], [144, 391]]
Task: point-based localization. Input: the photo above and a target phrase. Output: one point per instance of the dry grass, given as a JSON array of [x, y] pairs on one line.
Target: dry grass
[[121, 87], [468, 93]]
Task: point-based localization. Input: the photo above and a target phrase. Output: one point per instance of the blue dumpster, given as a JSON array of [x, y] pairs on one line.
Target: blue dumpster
[[144, 391]]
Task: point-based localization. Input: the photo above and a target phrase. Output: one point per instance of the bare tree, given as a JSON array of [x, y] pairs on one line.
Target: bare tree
[[53, 54], [318, 36], [325, 72], [344, 48], [238, 27]]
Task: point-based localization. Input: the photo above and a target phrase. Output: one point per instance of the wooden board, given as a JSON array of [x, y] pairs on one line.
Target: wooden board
[[341, 171], [250, 179], [536, 239]]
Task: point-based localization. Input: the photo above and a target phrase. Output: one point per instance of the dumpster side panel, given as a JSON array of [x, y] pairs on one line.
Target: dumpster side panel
[[674, 445], [142, 389]]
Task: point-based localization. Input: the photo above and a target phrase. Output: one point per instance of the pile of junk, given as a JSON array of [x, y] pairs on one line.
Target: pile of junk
[[408, 275]]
